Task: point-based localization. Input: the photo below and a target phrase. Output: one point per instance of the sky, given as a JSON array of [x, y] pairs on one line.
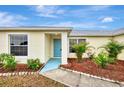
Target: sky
[[85, 17]]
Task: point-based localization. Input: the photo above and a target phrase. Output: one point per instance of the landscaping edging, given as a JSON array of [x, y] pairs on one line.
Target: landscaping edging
[[94, 76], [18, 73]]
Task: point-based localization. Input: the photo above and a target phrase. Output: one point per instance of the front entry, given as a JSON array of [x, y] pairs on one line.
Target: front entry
[[57, 48]]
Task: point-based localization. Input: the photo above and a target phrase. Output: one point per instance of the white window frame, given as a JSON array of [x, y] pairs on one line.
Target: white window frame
[[16, 33]]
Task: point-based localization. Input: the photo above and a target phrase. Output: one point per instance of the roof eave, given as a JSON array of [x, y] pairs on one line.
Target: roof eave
[[37, 28]]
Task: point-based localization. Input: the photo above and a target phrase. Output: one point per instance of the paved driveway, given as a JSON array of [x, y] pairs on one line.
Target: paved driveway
[[74, 79]]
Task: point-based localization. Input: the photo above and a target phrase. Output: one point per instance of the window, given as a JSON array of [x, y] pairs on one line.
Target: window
[[71, 43], [19, 45], [74, 41], [81, 40]]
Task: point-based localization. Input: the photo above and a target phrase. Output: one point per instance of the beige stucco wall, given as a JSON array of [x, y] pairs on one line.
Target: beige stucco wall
[[120, 39], [35, 45], [93, 41], [98, 42], [3, 42], [64, 39], [48, 43], [40, 44]]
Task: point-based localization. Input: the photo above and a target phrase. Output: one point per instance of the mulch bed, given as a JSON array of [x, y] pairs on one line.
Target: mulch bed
[[19, 68], [28, 81], [112, 71]]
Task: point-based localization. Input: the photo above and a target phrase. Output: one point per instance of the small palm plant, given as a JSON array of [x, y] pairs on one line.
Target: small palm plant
[[80, 49], [114, 48]]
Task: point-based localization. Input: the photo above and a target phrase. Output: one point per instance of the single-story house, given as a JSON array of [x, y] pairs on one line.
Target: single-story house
[[49, 42]]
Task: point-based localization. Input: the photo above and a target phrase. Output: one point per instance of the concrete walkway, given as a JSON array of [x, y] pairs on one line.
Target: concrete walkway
[[53, 63], [74, 79]]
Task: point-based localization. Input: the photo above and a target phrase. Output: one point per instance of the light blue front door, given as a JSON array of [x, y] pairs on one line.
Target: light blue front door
[[57, 48]]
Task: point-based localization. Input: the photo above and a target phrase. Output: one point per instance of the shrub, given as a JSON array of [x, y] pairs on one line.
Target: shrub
[[3, 56], [114, 48], [102, 59], [33, 63], [8, 61], [112, 60], [80, 49]]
